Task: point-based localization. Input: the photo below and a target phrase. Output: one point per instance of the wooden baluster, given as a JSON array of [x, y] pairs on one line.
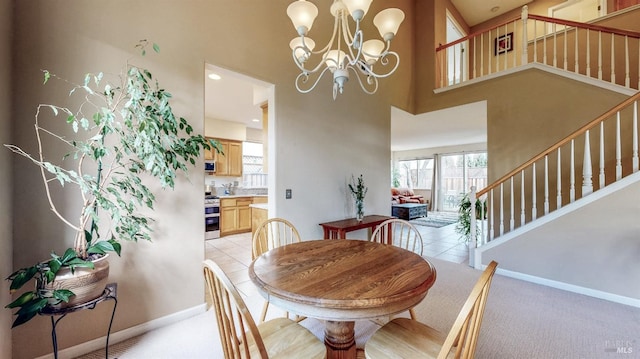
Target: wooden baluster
[[522, 199], [544, 43], [506, 54], [502, 208], [588, 54], [599, 55], [525, 39], [513, 44], [559, 181], [535, 41], [587, 184], [576, 66], [572, 176], [490, 223], [473, 242], [489, 62], [475, 58], [546, 184], [634, 156], [483, 236], [566, 64], [534, 210], [555, 44], [613, 60], [512, 219], [482, 54], [627, 79], [618, 149], [601, 179]]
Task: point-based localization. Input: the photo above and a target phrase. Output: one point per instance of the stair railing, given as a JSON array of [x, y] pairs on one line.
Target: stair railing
[[564, 171], [599, 52]]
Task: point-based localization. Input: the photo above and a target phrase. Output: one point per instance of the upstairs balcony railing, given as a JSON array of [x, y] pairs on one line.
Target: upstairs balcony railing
[[605, 148], [599, 52]]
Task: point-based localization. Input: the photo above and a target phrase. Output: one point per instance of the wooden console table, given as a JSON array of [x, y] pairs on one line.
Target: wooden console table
[[339, 229]]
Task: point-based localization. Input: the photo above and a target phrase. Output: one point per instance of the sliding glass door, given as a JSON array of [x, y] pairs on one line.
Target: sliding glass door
[[458, 173]]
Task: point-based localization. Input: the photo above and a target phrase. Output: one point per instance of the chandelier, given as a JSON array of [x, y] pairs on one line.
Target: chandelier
[[346, 51]]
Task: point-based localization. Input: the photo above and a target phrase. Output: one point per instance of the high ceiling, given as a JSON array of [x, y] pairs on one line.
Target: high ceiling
[[237, 98], [475, 12]]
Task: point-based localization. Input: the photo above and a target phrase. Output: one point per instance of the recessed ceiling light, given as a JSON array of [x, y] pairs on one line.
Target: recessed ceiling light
[[214, 76], [255, 120], [495, 8]]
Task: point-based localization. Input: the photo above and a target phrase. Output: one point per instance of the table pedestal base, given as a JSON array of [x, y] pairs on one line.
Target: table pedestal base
[[339, 337]]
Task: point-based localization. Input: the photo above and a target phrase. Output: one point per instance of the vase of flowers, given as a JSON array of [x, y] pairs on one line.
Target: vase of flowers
[[358, 190]]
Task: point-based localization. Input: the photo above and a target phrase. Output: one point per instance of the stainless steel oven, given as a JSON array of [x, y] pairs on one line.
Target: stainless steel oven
[[211, 217]]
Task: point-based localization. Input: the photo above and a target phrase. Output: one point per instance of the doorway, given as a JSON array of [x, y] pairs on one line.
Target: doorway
[[237, 108], [456, 54]]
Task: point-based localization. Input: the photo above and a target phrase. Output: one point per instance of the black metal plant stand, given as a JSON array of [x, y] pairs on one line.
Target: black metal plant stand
[[110, 293]]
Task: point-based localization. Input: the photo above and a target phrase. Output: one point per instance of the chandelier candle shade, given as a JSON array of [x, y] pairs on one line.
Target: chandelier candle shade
[[346, 51]]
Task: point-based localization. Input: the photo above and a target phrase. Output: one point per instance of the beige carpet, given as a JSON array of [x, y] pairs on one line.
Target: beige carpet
[[522, 320]]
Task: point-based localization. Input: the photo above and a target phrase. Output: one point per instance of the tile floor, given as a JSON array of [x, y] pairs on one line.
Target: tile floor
[[233, 253]]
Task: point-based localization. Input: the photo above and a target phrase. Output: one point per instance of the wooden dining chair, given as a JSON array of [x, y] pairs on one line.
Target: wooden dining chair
[[242, 338], [405, 338], [273, 233], [400, 233]]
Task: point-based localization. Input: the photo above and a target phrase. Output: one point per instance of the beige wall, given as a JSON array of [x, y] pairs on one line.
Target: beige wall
[[6, 215], [318, 143]]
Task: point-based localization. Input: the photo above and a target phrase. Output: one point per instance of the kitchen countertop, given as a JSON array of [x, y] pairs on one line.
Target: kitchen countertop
[[240, 195]]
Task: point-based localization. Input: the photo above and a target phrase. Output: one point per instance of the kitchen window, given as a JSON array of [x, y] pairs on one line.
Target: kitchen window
[[252, 166]]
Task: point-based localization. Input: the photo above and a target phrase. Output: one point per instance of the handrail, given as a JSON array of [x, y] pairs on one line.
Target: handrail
[[587, 26], [576, 24], [472, 35], [562, 142]]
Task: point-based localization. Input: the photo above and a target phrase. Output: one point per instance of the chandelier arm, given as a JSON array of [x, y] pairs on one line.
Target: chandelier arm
[[350, 39], [367, 70], [304, 77], [371, 80], [346, 30], [300, 64], [356, 58]]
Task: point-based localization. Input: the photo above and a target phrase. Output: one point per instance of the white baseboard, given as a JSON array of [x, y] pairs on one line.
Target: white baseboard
[[98, 343], [571, 288]]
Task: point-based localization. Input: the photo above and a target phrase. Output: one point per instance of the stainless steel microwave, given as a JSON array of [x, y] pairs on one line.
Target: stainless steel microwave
[[209, 166]]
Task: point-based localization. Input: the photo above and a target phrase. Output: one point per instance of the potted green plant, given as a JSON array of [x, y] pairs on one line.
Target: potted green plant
[[358, 190], [463, 226], [123, 130]]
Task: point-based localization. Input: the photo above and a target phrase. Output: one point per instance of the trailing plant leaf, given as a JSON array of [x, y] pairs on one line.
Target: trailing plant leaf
[[29, 310]]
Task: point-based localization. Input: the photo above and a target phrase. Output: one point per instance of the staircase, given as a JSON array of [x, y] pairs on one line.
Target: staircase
[[539, 214]]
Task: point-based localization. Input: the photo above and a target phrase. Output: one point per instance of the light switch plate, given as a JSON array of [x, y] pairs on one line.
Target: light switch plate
[[287, 194]]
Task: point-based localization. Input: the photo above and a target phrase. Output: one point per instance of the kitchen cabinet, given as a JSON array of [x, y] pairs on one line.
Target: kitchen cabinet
[[258, 216], [229, 163], [235, 215], [260, 199], [209, 154]]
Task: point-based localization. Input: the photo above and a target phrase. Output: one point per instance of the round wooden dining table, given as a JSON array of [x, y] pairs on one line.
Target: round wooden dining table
[[341, 281]]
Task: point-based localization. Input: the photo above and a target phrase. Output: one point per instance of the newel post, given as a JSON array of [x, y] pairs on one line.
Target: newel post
[[525, 40]]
